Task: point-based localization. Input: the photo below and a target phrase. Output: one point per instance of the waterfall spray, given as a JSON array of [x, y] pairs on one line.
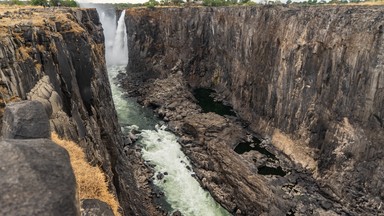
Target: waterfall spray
[[109, 26], [119, 55]]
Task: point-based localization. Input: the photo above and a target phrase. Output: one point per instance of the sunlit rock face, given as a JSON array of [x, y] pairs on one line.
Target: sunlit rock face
[[310, 78]]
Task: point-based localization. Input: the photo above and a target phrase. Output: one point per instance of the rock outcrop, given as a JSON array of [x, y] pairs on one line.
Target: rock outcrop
[[56, 56], [25, 120], [92, 207], [36, 177], [302, 76]]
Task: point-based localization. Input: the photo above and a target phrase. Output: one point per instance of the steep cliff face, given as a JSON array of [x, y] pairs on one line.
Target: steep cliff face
[[56, 56], [311, 78]]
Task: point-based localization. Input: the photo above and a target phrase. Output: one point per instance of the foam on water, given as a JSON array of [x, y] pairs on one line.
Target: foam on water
[[182, 191]]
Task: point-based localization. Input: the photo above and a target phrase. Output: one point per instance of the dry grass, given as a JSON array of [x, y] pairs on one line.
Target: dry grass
[[369, 3], [4, 101], [91, 180], [23, 53], [37, 16]]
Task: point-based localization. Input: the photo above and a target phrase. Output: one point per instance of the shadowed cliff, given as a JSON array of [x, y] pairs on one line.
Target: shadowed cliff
[[311, 78], [56, 56]]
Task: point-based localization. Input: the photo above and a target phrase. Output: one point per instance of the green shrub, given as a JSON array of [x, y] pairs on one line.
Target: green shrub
[[39, 2], [151, 3], [15, 2], [216, 3], [69, 3]]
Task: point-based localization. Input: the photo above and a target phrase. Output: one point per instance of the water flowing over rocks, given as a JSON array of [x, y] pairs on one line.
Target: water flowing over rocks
[[208, 140], [301, 76]]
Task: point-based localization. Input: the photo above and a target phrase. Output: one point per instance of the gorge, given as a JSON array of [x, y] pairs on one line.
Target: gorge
[[305, 85], [160, 148], [302, 78]]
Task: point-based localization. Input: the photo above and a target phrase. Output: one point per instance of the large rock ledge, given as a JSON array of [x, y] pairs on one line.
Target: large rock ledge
[[299, 75], [36, 177]]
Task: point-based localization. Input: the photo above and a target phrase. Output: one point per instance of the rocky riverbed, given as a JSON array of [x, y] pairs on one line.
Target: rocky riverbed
[[300, 76], [234, 180]]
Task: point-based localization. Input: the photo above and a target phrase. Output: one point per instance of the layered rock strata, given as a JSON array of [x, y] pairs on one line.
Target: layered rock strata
[[310, 78]]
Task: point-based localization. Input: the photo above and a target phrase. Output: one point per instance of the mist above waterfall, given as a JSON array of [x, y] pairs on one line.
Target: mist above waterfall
[[109, 26]]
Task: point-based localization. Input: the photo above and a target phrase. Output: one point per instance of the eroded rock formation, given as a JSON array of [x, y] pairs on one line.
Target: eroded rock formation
[[310, 78], [56, 56], [36, 177]]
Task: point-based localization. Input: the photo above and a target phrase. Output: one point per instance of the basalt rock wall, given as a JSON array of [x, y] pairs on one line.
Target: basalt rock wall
[[311, 78], [56, 56]]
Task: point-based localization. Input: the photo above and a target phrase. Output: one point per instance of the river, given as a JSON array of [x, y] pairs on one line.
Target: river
[[173, 173]]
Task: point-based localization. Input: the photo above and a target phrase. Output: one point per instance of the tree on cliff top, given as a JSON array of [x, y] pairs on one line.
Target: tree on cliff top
[[39, 2], [54, 2], [69, 3]]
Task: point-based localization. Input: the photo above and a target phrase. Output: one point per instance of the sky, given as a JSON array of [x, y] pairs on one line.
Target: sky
[[111, 1]]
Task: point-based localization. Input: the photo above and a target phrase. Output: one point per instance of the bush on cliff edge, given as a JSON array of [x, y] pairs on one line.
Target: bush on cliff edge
[[90, 180]]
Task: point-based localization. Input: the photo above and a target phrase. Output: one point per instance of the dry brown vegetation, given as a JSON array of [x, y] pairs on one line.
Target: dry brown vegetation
[[368, 3], [23, 53], [38, 17], [91, 180], [4, 101]]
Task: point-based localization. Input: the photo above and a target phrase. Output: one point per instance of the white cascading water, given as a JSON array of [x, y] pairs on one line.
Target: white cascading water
[[119, 55], [182, 191]]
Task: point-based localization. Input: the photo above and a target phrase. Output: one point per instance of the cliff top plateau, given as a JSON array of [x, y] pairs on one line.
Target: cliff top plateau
[[12, 16]]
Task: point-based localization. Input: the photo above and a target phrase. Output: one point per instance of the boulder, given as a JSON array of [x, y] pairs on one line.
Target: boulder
[[25, 120], [95, 207], [177, 213], [36, 178], [160, 176]]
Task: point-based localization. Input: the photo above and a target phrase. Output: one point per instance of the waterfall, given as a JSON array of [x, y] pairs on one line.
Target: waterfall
[[119, 55], [181, 190], [109, 33]]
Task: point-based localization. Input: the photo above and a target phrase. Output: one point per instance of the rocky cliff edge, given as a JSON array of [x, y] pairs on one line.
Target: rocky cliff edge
[[56, 56]]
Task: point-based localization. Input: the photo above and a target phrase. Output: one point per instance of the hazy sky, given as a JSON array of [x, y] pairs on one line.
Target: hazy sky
[[111, 1]]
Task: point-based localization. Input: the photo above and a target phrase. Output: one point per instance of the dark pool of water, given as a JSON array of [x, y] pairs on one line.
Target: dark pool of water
[[208, 104], [266, 170], [254, 145]]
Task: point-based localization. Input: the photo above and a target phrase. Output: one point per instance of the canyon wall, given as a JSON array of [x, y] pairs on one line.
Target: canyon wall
[[56, 56], [310, 78]]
